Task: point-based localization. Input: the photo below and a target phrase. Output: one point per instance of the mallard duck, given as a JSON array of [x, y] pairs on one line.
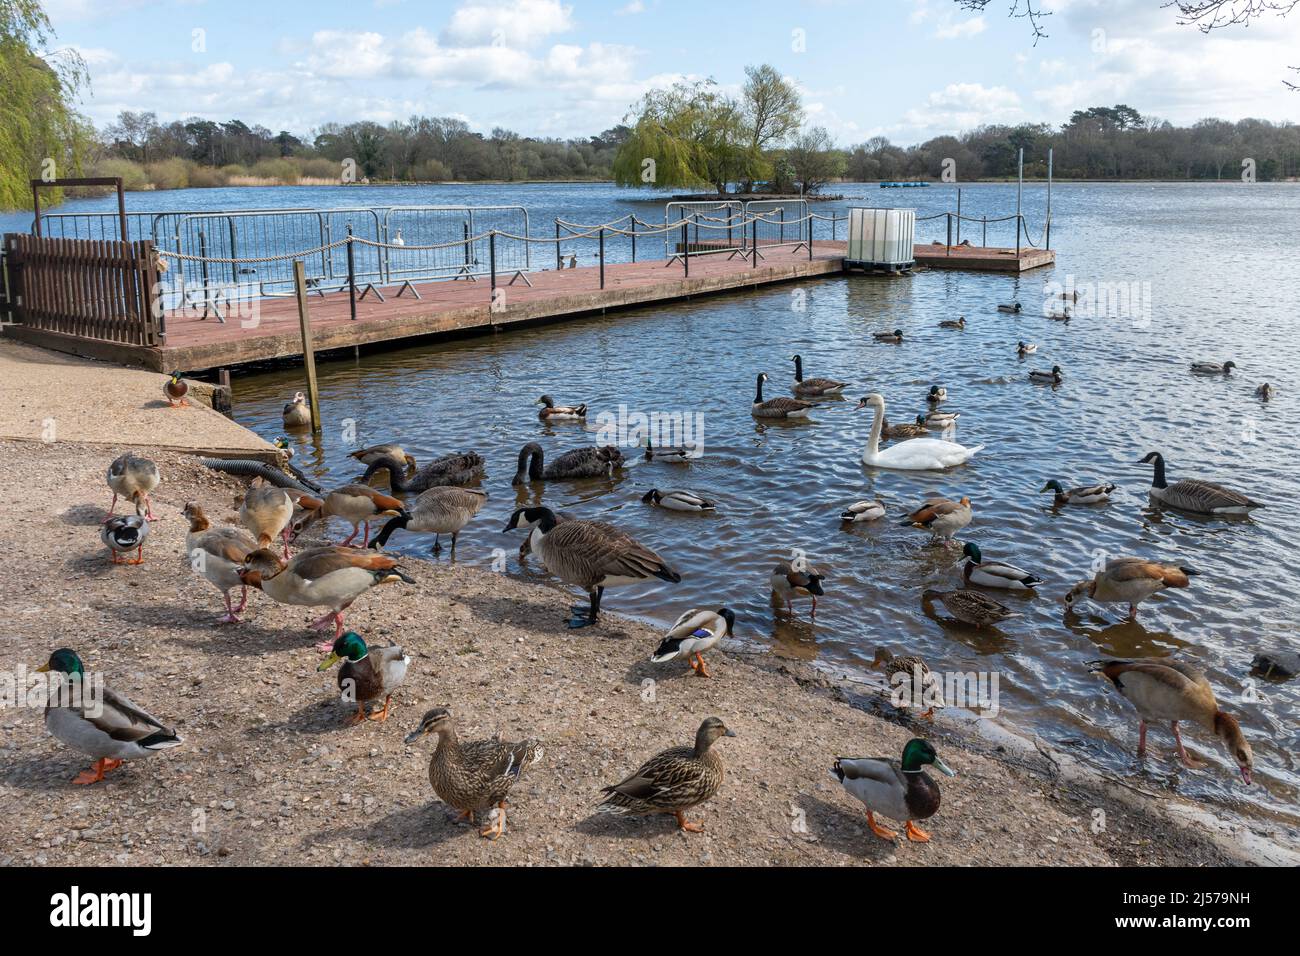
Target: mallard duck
[[1130, 581], [1265, 392], [942, 517], [590, 462], [1025, 348], [1062, 316], [591, 555], [919, 454], [1173, 691], [678, 500], [863, 511], [368, 673], [898, 790], [994, 574], [1194, 495], [320, 577], [936, 394], [176, 388], [958, 323], [123, 534], [922, 687], [267, 511], [101, 723], [297, 413], [373, 453], [903, 431], [940, 421], [1082, 495], [814, 387], [696, 631], [474, 776], [1213, 368], [217, 553], [550, 412], [779, 407], [1013, 307], [454, 470], [892, 338], [796, 578], [672, 453], [1039, 377], [441, 510], [970, 607], [672, 781], [356, 504], [132, 478]]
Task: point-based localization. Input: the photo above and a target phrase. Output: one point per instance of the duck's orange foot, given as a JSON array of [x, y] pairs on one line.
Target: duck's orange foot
[[877, 829], [929, 714], [96, 771], [359, 717], [687, 825], [382, 715], [916, 834], [498, 825], [702, 670]]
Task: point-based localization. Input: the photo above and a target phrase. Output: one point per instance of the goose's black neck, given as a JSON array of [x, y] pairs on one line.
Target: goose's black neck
[[1158, 479], [530, 462], [400, 521], [758, 392], [798, 368], [396, 473]]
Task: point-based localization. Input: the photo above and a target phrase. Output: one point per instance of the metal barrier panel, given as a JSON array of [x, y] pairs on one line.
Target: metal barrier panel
[[778, 220], [459, 234], [708, 222]]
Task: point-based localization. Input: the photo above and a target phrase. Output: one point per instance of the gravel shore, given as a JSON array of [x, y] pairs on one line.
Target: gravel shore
[[271, 774]]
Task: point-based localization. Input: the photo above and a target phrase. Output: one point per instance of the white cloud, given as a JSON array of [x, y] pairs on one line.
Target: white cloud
[[345, 54], [635, 7], [950, 28], [520, 23], [962, 106]]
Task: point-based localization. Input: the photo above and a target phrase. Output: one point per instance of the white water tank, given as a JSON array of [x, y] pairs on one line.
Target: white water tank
[[880, 238]]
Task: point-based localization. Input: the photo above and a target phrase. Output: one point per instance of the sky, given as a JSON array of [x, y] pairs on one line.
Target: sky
[[905, 69]]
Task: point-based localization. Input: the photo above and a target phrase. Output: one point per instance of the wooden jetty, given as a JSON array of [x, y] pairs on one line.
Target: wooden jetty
[[982, 258]]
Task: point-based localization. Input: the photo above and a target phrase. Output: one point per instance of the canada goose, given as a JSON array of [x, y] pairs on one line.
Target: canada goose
[[267, 512], [590, 462], [994, 574], [176, 388], [1082, 495], [456, 470], [1013, 307], [368, 673], [519, 523], [132, 478], [1213, 368], [1191, 494], [122, 534], [440, 510], [672, 781], [550, 412], [958, 323], [355, 504], [1053, 377], [863, 511], [936, 394], [900, 790], [217, 553], [779, 407], [814, 387], [892, 338], [919, 454], [970, 607], [103, 724], [591, 555], [372, 453], [796, 578], [331, 577], [297, 413], [1130, 581], [695, 632], [1023, 349], [1172, 690], [678, 500], [942, 517]]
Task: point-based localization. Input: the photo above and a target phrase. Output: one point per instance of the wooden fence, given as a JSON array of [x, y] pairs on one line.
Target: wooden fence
[[102, 290]]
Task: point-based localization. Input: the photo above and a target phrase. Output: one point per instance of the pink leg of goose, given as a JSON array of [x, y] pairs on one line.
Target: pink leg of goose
[[231, 615], [243, 599]]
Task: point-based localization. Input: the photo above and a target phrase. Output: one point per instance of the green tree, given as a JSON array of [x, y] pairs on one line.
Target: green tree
[[37, 118], [773, 112]]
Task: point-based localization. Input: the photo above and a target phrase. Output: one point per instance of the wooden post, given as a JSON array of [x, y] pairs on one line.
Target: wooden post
[[308, 353]]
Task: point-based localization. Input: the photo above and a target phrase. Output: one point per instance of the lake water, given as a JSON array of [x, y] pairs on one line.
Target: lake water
[[1214, 272]]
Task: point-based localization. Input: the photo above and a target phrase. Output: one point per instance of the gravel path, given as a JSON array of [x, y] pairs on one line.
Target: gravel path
[[271, 774]]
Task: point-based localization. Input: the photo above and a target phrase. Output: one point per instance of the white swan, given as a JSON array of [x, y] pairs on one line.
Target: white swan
[[917, 454]]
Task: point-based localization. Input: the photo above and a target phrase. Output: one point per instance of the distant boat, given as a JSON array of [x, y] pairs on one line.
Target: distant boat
[[902, 185]]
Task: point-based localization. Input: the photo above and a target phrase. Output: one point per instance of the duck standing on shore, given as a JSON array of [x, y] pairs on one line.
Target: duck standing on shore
[[356, 504], [132, 478], [1173, 691], [217, 553], [898, 789], [695, 632], [673, 781], [440, 510], [105, 725], [921, 684], [368, 673], [474, 776], [176, 388]]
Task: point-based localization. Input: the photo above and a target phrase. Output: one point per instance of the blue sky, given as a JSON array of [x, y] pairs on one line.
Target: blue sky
[[906, 69]]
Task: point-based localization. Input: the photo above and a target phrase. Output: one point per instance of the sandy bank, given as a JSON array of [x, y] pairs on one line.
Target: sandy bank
[[270, 773]]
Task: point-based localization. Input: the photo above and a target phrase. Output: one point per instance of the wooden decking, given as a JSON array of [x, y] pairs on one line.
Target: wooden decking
[[983, 258]]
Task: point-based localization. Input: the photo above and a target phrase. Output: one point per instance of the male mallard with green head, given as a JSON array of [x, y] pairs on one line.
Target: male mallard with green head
[[368, 673], [900, 790], [176, 388]]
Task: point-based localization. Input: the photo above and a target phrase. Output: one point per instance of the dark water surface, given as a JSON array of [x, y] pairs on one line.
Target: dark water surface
[[1217, 273]]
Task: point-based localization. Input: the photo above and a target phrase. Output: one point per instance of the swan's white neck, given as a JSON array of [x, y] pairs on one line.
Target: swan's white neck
[[877, 423]]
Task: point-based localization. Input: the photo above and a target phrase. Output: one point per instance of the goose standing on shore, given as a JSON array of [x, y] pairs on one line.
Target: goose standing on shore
[[1190, 494], [1130, 581], [1213, 368], [591, 555], [297, 413], [695, 632], [456, 470], [918, 454], [779, 407], [994, 574], [176, 388], [217, 553], [900, 790], [1081, 495], [1172, 690], [132, 478], [356, 504], [103, 725], [437, 511], [267, 511], [590, 462], [942, 517], [550, 412], [814, 387]]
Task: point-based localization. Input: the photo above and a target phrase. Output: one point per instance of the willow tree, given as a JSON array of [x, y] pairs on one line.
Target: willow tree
[[41, 133]]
